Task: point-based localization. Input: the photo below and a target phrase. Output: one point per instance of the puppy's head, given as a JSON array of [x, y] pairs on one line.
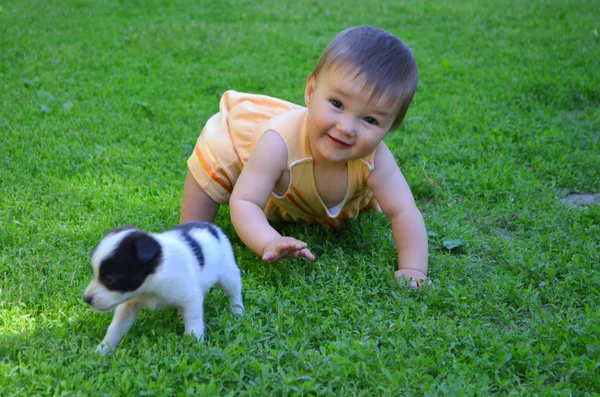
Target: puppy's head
[[121, 263]]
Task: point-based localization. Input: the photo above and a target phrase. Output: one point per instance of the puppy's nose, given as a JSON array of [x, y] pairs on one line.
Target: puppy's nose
[[88, 299]]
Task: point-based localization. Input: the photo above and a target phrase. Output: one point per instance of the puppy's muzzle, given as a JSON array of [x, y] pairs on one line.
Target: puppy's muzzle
[[88, 299]]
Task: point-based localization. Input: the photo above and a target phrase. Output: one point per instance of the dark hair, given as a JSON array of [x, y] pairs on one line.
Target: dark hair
[[386, 62]]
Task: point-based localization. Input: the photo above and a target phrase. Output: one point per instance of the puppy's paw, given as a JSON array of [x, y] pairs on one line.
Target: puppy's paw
[[103, 348], [237, 309], [198, 334]]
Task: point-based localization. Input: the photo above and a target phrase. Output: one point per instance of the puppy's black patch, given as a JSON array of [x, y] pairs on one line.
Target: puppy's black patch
[[189, 226], [135, 258], [194, 246]]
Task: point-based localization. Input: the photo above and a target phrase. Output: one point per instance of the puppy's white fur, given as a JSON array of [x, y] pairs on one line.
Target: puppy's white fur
[[178, 281]]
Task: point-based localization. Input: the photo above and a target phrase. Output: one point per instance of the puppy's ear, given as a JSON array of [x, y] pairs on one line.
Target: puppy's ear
[[147, 248]]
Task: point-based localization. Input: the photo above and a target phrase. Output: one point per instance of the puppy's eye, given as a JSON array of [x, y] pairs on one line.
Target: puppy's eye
[[108, 279]]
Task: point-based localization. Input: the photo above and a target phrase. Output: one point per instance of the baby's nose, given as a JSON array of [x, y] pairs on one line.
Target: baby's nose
[[346, 126]]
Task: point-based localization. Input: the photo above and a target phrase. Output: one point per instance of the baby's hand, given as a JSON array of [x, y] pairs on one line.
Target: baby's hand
[[414, 278], [286, 248]]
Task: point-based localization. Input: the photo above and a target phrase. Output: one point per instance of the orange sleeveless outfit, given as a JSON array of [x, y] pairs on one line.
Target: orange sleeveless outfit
[[228, 139]]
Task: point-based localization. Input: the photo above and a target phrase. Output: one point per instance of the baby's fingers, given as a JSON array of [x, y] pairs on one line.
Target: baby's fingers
[[295, 246], [269, 257], [305, 253], [288, 253], [280, 253]]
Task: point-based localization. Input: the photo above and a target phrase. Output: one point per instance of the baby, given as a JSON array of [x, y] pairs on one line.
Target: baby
[[324, 163]]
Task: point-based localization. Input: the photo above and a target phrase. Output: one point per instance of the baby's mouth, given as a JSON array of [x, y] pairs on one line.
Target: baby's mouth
[[338, 142]]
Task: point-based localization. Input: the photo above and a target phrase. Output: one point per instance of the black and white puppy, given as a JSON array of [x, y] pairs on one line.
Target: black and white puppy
[[134, 269]]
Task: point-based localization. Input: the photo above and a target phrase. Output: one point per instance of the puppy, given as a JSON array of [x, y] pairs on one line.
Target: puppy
[[133, 269]]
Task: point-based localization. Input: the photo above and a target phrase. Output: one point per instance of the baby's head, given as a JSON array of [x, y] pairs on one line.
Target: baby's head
[[384, 61]]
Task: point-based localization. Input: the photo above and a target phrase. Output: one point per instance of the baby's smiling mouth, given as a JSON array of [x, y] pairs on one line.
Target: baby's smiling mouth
[[338, 142]]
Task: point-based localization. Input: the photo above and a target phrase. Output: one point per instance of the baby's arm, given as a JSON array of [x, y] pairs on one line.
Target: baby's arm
[[250, 195], [397, 203]]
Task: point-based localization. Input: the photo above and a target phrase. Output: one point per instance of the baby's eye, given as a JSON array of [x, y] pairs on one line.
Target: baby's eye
[[371, 120], [336, 103]]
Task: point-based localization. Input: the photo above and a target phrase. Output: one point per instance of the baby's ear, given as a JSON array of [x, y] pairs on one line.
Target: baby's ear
[[147, 248], [309, 89]]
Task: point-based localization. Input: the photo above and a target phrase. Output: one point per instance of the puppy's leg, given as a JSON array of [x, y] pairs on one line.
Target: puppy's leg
[[125, 315], [193, 318], [231, 282]]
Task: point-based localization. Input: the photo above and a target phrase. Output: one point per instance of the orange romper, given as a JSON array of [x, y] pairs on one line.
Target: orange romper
[[227, 141]]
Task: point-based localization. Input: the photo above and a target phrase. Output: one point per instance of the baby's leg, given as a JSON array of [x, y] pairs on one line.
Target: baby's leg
[[196, 204]]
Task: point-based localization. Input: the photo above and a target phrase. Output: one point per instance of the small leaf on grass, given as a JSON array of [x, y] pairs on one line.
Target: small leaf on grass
[[431, 233], [45, 109], [146, 109], [31, 83], [454, 244], [67, 105], [45, 94]]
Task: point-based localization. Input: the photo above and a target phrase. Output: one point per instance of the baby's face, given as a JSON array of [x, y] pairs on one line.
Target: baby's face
[[343, 123]]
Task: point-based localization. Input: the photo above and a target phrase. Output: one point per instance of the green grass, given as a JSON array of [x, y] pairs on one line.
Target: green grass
[[101, 103]]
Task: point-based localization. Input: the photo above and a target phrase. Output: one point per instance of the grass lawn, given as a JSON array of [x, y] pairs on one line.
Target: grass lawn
[[101, 103]]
